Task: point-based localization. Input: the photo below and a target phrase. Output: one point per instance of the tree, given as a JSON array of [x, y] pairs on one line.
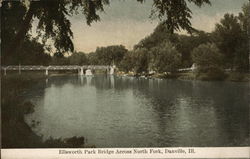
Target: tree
[[229, 38], [160, 35], [59, 59], [208, 58], [127, 62], [183, 43], [53, 20], [10, 21], [78, 58], [111, 54], [165, 58], [175, 14], [33, 53], [186, 44], [140, 60], [93, 59], [244, 18]]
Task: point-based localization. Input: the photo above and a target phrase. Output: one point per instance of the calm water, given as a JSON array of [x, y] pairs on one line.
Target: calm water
[[129, 112]]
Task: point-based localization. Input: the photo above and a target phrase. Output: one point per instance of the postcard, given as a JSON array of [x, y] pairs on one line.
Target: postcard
[[125, 79]]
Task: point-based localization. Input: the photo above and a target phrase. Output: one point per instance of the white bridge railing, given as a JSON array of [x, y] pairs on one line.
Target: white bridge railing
[[59, 67], [53, 67]]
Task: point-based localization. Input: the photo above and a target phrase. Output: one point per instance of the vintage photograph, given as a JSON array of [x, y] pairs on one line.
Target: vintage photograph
[[125, 73]]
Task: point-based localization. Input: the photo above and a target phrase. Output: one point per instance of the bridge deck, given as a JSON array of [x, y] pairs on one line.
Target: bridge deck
[[63, 67]]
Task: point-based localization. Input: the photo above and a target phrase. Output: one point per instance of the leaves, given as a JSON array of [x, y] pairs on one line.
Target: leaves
[[207, 57], [165, 58], [230, 37], [175, 14], [78, 58], [111, 54]]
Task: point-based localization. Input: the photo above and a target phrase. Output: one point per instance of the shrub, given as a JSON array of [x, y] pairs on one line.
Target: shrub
[[165, 58], [209, 61]]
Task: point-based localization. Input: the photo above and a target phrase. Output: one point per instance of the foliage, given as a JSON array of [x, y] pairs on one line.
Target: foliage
[[232, 42], [152, 52], [165, 58], [174, 14], [244, 17], [59, 59], [111, 54], [140, 60], [207, 57], [241, 59], [186, 44], [54, 22], [183, 43], [31, 53], [160, 35], [127, 62], [78, 58], [93, 58]]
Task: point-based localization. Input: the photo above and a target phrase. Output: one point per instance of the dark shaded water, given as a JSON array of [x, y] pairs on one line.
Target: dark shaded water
[[129, 112]]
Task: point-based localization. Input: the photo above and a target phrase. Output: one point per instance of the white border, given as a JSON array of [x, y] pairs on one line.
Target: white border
[[176, 152]]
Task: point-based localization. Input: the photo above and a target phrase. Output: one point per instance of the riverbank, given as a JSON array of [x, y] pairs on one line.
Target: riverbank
[[16, 133], [232, 76]]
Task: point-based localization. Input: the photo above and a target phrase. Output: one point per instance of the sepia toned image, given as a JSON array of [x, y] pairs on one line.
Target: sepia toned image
[[125, 74]]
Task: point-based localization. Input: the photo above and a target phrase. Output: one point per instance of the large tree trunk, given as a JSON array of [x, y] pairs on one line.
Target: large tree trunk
[[24, 28]]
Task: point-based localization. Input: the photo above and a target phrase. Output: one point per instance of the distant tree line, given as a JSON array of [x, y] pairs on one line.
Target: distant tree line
[[110, 55]]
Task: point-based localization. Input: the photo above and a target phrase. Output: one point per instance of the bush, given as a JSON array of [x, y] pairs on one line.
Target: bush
[[209, 61], [165, 58]]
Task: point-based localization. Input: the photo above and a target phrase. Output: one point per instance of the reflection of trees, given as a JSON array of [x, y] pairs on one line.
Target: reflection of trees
[[204, 111], [185, 113], [229, 102], [104, 82], [60, 81]]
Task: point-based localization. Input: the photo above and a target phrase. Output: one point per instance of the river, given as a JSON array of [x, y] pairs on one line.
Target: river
[[113, 111]]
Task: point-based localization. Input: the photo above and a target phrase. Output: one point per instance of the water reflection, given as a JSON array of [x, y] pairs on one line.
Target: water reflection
[[132, 112]]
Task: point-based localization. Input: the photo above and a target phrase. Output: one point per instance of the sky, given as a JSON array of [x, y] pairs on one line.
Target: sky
[[126, 22]]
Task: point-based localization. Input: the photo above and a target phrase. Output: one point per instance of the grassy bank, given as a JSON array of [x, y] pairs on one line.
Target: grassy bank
[[15, 132], [232, 76]]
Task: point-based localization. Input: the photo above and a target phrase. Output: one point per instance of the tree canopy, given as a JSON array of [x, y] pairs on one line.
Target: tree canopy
[[175, 14], [231, 37], [165, 58], [184, 44]]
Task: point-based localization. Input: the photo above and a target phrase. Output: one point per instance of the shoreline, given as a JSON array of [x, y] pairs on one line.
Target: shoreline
[[232, 77], [191, 76]]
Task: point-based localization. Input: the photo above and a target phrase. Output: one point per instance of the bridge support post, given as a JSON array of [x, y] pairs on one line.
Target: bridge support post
[[19, 69], [81, 71], [5, 71], [47, 72], [112, 70]]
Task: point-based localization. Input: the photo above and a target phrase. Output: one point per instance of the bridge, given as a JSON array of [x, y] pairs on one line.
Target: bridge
[[192, 68], [54, 68]]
